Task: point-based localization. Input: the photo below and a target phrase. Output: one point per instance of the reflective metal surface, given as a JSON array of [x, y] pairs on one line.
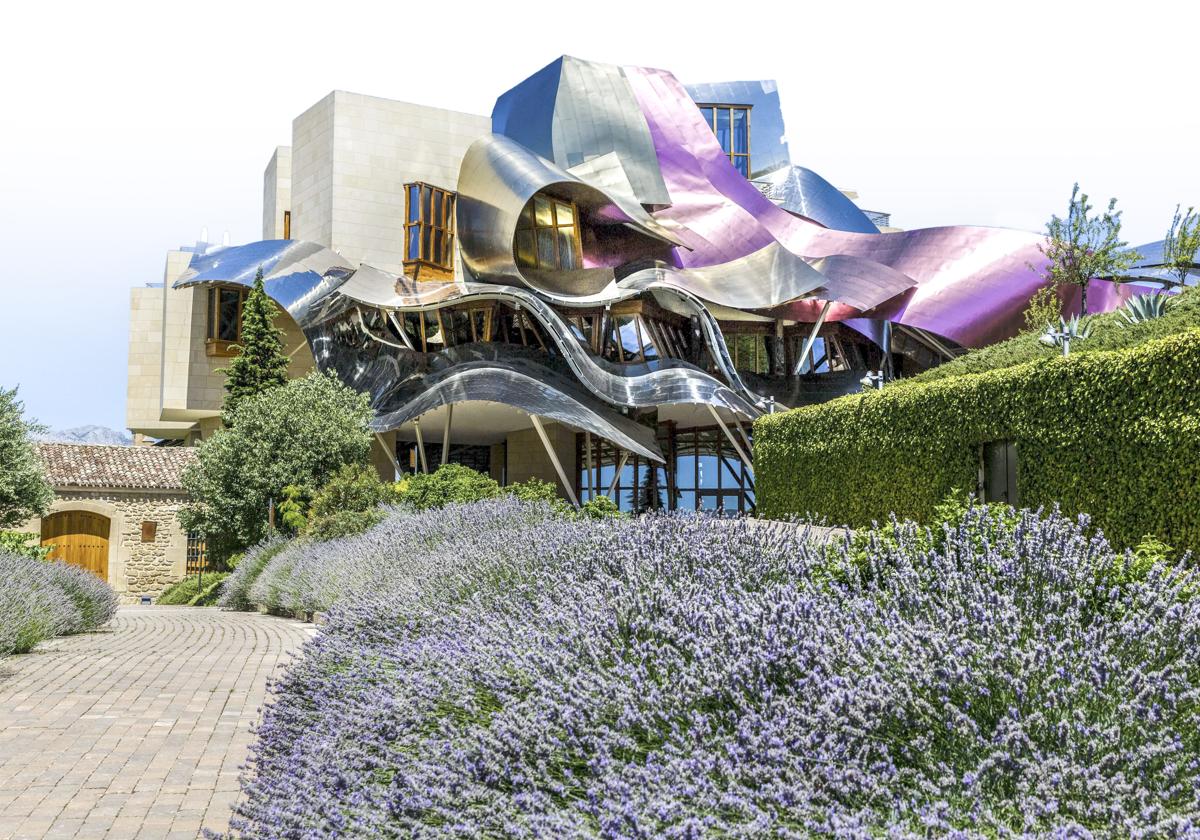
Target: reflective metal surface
[[805, 193]]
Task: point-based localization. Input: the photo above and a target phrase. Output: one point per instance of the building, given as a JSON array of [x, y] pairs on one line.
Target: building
[[116, 513], [602, 284]]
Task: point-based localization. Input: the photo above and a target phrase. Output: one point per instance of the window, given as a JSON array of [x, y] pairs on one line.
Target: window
[[428, 228], [998, 470], [731, 124], [548, 235], [287, 224], [224, 319]]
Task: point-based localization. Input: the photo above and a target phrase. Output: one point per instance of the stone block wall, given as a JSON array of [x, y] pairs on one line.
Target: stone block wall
[[135, 568]]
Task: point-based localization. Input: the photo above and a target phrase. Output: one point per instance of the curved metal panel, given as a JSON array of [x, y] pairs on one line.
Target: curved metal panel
[[498, 177], [805, 193], [573, 111]]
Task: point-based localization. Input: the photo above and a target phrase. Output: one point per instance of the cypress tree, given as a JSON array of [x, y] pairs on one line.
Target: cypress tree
[[260, 363]]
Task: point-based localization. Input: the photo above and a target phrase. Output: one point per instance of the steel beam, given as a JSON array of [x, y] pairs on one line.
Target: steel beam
[[733, 440], [420, 446], [446, 435], [812, 336], [562, 475]]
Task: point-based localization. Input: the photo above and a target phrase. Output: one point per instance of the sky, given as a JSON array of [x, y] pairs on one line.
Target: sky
[[126, 128]]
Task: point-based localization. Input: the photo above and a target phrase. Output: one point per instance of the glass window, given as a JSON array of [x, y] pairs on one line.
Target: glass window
[[229, 311], [731, 125], [552, 227], [429, 229]]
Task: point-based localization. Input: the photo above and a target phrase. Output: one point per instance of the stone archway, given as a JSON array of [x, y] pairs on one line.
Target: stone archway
[[113, 562]]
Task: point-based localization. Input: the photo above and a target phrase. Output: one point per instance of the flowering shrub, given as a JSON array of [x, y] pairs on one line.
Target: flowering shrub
[[235, 589], [493, 673], [40, 599], [308, 576]]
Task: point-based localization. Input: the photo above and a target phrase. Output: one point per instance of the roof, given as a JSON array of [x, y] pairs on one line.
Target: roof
[[127, 467]]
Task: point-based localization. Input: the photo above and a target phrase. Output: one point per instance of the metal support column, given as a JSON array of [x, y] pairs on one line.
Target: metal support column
[[733, 440], [446, 435], [420, 446], [591, 478], [612, 485], [812, 336], [562, 475], [391, 456]]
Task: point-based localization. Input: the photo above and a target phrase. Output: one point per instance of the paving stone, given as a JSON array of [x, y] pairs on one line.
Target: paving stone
[[138, 730]]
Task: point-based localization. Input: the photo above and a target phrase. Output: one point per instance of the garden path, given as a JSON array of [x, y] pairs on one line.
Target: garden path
[[138, 729]]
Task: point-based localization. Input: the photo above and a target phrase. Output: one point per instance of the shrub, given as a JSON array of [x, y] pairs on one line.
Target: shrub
[[299, 434], [195, 591], [543, 492], [349, 503], [25, 544], [1115, 435], [600, 507], [676, 676], [307, 576], [235, 589], [450, 483], [40, 599]]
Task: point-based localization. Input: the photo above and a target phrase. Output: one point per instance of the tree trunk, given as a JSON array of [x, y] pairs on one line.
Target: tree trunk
[[1083, 298]]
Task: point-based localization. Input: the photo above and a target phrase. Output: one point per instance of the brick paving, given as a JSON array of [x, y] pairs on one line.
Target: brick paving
[[137, 730]]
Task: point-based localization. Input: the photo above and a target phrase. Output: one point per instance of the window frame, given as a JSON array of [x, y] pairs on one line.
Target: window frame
[[214, 344], [444, 224], [529, 212], [731, 152]]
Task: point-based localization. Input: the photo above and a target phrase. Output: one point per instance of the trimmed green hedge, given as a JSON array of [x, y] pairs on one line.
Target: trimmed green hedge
[[1113, 434]]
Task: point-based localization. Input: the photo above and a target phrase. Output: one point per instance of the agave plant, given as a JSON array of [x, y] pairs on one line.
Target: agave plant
[[1145, 308], [1068, 331]]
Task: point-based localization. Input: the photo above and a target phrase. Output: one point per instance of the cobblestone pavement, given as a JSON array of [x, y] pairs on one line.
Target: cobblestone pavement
[[136, 730]]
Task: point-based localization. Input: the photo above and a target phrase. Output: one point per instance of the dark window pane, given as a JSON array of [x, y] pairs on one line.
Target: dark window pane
[[412, 247], [426, 244], [426, 200], [227, 315], [723, 128], [212, 305], [545, 247], [628, 333], [438, 256], [708, 115], [741, 131], [436, 218], [742, 164], [450, 212]]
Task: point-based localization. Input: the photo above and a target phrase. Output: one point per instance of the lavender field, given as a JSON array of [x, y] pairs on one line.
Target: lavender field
[[40, 599], [494, 671]]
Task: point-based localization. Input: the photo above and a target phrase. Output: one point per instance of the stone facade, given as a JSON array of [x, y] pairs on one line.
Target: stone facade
[[135, 567]]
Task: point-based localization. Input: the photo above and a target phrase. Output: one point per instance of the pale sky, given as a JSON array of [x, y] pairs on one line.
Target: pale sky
[[127, 127]]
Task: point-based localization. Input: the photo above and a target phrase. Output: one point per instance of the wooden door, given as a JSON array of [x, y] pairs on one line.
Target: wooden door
[[79, 538]]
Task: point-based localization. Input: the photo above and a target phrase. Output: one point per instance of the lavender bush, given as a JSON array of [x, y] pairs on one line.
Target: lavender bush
[[41, 599], [235, 589], [684, 677]]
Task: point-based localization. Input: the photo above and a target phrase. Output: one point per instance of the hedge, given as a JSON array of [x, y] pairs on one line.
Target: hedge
[[1112, 434]]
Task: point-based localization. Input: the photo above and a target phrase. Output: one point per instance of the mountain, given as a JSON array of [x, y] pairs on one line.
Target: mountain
[[89, 434]]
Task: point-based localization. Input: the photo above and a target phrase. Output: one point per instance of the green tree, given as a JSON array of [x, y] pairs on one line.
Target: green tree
[[1181, 244], [260, 363], [299, 434], [24, 491], [1083, 247]]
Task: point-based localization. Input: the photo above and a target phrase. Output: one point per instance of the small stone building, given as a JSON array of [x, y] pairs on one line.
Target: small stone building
[[116, 513]]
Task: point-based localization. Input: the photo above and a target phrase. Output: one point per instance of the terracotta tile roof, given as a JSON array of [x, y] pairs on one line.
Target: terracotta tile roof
[[128, 467]]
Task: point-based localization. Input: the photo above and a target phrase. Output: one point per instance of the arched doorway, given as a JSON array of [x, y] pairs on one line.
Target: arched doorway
[[80, 538]]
